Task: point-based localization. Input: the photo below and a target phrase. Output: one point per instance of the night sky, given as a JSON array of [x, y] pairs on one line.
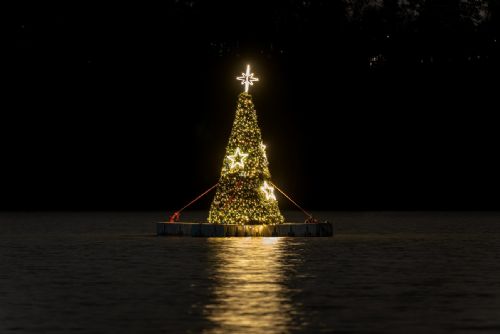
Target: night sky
[[364, 105]]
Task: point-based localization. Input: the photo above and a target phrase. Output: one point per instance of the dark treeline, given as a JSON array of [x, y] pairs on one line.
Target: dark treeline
[[363, 104]]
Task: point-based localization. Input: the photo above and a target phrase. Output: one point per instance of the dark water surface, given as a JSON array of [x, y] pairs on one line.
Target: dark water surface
[[384, 272]]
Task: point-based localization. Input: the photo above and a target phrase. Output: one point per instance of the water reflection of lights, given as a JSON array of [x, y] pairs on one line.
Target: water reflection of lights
[[249, 295]]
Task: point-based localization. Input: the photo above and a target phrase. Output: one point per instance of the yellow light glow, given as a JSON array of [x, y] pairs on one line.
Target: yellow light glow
[[249, 295]]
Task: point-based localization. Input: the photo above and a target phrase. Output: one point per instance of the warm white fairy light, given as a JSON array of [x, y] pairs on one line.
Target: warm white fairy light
[[247, 79], [268, 191], [237, 159]]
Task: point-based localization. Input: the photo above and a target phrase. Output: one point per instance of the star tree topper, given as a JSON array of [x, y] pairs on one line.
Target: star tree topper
[[247, 79]]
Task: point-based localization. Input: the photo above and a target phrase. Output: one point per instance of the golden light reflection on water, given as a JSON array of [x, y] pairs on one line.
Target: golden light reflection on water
[[249, 295]]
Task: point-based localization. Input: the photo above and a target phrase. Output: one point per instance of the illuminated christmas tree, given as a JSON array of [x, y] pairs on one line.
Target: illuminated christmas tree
[[245, 193]]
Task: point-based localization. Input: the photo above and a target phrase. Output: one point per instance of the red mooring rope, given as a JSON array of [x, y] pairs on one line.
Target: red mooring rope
[[291, 200], [176, 215]]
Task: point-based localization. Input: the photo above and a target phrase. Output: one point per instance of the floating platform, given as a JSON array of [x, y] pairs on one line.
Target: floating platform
[[186, 229]]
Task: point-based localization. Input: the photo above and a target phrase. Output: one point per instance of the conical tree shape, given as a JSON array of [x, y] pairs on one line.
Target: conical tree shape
[[245, 194]]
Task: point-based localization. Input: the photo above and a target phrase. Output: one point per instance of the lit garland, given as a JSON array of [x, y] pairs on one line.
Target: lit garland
[[245, 197]]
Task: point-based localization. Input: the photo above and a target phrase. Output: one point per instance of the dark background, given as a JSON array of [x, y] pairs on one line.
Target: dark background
[[364, 105]]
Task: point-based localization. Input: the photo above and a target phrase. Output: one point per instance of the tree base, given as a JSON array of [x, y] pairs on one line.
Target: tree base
[[324, 229]]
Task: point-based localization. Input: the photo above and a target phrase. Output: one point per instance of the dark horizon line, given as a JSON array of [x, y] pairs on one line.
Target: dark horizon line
[[169, 212]]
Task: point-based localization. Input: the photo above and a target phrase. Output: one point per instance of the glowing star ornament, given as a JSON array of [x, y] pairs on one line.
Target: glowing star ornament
[[247, 79], [268, 191], [237, 159], [263, 148]]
